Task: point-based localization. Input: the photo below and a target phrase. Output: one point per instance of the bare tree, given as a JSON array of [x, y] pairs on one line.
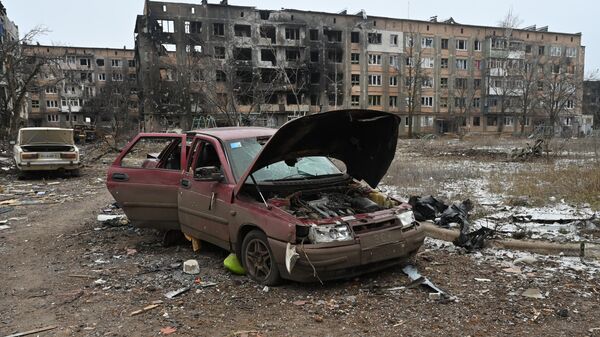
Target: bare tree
[[464, 102], [528, 87], [507, 56], [413, 77], [560, 87], [19, 73]]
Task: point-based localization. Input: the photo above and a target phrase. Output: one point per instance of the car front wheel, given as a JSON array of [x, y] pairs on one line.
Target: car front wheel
[[258, 260]]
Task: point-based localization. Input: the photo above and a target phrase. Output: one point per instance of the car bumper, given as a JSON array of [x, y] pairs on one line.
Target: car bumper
[[369, 252], [49, 166]]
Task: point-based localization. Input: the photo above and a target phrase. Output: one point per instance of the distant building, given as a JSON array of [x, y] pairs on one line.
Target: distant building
[[591, 101], [84, 86], [279, 64], [9, 34]]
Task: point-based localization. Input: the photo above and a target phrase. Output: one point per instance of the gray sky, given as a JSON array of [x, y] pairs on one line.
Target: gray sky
[[110, 23]]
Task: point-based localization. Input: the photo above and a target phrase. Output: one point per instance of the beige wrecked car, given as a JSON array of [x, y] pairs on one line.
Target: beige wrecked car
[[46, 149]]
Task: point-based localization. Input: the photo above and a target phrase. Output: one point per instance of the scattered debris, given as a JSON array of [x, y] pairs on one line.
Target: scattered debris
[[318, 318], [168, 330], [191, 267], [114, 220], [417, 279], [248, 333], [525, 260], [5, 209], [100, 282], [483, 279], [3, 227], [233, 265], [533, 293], [175, 293], [144, 309], [528, 151]]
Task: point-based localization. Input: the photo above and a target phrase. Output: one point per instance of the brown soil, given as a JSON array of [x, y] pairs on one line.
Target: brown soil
[[50, 263]]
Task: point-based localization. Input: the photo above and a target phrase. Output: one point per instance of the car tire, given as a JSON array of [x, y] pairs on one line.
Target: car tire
[[258, 260]]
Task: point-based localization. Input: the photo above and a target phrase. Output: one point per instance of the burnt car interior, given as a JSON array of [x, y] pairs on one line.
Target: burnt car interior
[[154, 152]]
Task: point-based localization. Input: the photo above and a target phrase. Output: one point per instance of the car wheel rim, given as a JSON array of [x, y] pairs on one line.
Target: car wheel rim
[[258, 259]]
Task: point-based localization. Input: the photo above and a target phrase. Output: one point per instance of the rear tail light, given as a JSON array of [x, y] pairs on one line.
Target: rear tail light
[[68, 155], [29, 156]]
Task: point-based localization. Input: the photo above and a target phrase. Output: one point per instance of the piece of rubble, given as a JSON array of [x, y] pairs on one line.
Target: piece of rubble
[[175, 293], [3, 227], [168, 330], [533, 293], [191, 267], [525, 260]]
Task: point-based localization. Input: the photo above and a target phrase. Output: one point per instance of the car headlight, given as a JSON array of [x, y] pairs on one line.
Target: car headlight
[[329, 233], [406, 218]]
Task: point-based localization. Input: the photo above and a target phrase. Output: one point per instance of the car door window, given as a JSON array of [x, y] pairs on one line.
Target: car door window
[[206, 155], [154, 153]]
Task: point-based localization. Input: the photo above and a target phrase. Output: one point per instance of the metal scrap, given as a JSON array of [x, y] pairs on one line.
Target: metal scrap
[[417, 279]]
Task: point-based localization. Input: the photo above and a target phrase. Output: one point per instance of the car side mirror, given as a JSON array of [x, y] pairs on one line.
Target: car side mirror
[[12, 142], [208, 173]]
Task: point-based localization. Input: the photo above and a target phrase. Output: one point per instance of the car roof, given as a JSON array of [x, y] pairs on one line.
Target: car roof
[[231, 133]]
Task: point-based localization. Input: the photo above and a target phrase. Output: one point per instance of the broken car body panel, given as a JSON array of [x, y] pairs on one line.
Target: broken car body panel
[[46, 149], [233, 182]]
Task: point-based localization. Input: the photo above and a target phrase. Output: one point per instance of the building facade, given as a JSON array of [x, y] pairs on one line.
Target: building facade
[[269, 66], [9, 37], [591, 101], [83, 86]]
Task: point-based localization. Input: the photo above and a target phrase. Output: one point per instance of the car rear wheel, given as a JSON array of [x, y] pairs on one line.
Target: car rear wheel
[[258, 260]]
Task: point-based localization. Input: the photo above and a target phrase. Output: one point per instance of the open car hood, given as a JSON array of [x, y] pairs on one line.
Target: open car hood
[[39, 136], [365, 140]]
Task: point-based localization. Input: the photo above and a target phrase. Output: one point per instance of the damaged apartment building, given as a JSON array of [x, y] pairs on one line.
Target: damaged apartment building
[[79, 86], [242, 65]]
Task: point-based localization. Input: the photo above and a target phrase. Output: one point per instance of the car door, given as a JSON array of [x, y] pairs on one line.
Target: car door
[[205, 205], [145, 177]]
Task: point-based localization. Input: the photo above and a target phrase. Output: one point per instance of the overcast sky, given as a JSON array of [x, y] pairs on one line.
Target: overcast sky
[[110, 23]]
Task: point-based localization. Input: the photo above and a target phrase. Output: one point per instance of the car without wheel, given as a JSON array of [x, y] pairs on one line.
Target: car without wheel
[[273, 197]]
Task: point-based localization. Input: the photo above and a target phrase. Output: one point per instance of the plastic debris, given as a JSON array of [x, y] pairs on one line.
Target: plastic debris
[[191, 267], [417, 279], [233, 264], [168, 330]]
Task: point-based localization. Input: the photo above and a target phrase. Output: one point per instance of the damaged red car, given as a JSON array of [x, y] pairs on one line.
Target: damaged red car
[[275, 198]]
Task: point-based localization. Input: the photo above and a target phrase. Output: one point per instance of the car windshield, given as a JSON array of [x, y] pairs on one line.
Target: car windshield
[[243, 151]]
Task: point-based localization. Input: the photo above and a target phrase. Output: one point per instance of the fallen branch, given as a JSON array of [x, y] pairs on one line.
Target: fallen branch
[[31, 332]]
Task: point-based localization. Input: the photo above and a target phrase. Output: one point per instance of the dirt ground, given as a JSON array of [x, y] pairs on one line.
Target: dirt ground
[[61, 267]]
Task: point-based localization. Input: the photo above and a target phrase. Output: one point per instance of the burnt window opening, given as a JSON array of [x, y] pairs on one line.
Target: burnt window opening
[[313, 34], [314, 99], [268, 55], [292, 33], [131, 63], [193, 27], [241, 14], [315, 78], [242, 54], [219, 52], [291, 99], [335, 55], [314, 56], [335, 77], [336, 99], [264, 15], [220, 76], [242, 30], [100, 62], [268, 32], [244, 75], [272, 99], [268, 75], [374, 38], [291, 76], [334, 35], [245, 99], [219, 29], [354, 37], [292, 54]]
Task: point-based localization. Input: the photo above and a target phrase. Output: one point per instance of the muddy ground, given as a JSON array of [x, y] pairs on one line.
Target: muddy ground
[[60, 267]]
